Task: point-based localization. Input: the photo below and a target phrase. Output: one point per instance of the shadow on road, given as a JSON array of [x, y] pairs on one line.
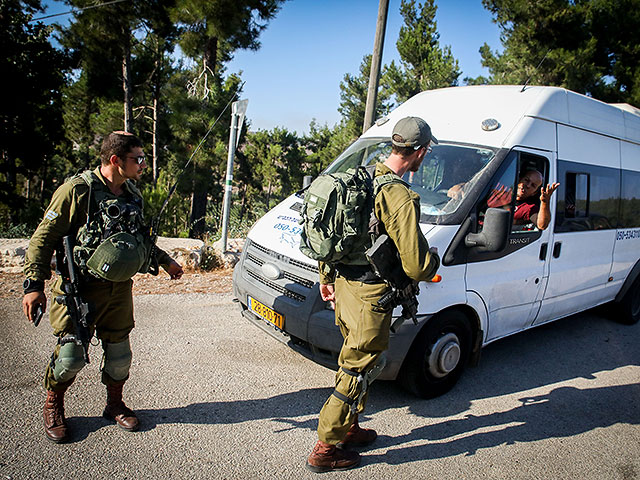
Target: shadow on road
[[564, 412], [577, 347]]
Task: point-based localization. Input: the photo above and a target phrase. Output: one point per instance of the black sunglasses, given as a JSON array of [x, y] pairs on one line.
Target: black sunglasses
[[138, 159]]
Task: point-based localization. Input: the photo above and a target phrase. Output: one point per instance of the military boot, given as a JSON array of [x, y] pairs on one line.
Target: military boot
[[55, 425], [118, 411], [326, 457], [358, 436]]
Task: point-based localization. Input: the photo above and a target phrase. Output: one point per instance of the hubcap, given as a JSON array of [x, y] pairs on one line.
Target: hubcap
[[444, 356]]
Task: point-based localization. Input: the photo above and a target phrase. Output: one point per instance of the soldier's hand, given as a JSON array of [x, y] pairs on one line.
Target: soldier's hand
[[174, 270], [327, 292], [30, 304]]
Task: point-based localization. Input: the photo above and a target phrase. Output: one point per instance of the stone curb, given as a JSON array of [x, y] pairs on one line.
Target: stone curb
[[186, 251]]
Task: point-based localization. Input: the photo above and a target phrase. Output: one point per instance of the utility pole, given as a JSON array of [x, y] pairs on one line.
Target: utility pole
[[376, 61]]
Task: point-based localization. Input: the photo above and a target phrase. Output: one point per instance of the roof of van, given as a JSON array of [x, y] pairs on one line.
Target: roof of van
[[457, 113]]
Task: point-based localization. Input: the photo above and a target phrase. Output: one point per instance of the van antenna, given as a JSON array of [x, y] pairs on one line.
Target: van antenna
[[535, 70]]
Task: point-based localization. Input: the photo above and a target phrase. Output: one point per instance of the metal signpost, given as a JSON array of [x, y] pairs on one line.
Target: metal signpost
[[238, 109]]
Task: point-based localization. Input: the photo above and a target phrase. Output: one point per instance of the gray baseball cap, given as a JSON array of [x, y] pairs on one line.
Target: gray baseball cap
[[412, 132]]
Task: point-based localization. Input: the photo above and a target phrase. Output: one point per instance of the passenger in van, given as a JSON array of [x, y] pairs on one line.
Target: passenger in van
[[354, 289], [530, 209]]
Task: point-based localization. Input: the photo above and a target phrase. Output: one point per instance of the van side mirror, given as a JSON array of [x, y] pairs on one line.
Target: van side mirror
[[495, 231], [306, 181]]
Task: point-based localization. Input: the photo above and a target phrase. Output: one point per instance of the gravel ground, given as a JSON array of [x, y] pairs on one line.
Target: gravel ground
[[218, 281]]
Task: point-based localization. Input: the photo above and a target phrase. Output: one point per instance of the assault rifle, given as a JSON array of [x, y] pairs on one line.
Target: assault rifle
[[383, 257], [77, 308]]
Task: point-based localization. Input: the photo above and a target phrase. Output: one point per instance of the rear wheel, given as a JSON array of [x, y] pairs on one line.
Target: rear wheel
[[628, 310], [438, 355]]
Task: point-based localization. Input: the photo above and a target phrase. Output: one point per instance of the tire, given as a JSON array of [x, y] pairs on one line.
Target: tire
[[628, 310], [438, 355]]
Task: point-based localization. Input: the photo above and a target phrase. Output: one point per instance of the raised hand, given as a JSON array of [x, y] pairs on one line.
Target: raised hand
[[500, 196], [546, 192]]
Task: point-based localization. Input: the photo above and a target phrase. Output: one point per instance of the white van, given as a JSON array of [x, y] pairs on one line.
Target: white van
[[497, 278]]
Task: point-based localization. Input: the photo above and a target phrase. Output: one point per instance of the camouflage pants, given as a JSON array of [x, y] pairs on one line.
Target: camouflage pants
[[111, 310], [365, 328]]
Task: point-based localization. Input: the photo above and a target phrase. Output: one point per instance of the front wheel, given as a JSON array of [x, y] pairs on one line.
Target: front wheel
[[438, 355], [628, 310]]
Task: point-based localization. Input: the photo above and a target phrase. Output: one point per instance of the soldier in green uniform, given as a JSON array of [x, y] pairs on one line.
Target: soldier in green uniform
[[356, 289], [99, 209]]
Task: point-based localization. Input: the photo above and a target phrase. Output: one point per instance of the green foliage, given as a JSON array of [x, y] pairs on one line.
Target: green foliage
[[325, 144], [589, 46], [30, 113], [276, 161], [424, 65], [21, 230], [353, 99], [174, 219]]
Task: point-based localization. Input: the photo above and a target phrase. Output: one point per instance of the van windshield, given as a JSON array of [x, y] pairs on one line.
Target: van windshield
[[446, 174]]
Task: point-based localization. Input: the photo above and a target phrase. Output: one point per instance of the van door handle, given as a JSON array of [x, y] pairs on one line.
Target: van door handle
[[556, 249], [543, 251]]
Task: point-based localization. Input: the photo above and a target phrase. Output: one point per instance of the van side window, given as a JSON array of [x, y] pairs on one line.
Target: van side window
[[630, 204], [577, 196], [587, 197]]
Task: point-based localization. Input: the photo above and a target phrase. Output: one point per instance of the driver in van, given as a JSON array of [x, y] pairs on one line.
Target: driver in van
[[529, 209]]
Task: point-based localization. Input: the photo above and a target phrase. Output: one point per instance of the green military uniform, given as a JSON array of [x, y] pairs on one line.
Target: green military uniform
[[364, 325], [110, 303]]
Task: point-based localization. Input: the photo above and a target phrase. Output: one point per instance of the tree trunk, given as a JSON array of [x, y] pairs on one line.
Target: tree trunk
[[200, 188], [210, 54], [156, 103], [126, 80], [198, 210]]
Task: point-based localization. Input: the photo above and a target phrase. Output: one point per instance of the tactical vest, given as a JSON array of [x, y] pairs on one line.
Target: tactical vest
[[114, 243]]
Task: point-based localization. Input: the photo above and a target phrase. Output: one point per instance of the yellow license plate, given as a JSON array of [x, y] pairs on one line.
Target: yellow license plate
[[266, 313]]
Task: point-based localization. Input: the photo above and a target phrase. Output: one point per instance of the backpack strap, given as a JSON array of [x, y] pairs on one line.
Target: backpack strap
[[377, 184]]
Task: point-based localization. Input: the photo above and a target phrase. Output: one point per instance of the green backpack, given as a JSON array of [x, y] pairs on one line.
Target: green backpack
[[337, 214]]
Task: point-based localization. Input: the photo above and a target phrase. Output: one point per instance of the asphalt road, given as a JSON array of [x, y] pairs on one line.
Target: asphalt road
[[220, 399]]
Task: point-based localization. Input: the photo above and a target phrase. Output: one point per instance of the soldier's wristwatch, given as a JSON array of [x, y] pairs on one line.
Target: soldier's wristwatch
[[31, 285]]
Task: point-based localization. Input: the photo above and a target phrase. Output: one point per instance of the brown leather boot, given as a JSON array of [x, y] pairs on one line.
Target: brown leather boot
[[55, 425], [118, 411], [326, 457], [358, 436]]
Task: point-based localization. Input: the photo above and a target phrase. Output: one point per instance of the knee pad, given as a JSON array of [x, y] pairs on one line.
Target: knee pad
[[117, 359], [69, 362]]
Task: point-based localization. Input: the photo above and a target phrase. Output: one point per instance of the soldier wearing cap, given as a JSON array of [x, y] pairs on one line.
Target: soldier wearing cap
[[100, 209], [354, 293]]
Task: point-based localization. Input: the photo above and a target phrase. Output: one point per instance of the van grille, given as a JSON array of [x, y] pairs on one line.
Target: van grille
[[288, 275], [259, 255], [284, 291]]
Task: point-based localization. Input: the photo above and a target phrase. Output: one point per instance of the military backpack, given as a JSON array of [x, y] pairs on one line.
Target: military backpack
[[337, 215]]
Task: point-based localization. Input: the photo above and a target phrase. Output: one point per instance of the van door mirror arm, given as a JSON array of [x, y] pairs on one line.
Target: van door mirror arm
[[495, 231], [449, 255]]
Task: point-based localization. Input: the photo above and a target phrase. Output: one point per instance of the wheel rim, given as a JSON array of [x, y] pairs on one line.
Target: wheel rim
[[444, 356]]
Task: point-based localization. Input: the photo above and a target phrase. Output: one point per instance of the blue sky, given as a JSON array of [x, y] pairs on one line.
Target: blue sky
[[311, 44]]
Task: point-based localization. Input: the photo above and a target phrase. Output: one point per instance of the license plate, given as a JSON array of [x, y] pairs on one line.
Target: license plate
[[266, 313]]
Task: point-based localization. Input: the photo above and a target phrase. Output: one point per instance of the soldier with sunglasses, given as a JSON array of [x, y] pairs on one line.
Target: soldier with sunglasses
[[102, 211]]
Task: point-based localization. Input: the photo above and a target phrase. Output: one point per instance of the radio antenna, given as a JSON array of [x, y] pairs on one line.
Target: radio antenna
[[535, 70]]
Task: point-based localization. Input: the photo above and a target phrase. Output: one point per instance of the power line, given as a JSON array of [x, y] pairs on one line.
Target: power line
[[76, 10]]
